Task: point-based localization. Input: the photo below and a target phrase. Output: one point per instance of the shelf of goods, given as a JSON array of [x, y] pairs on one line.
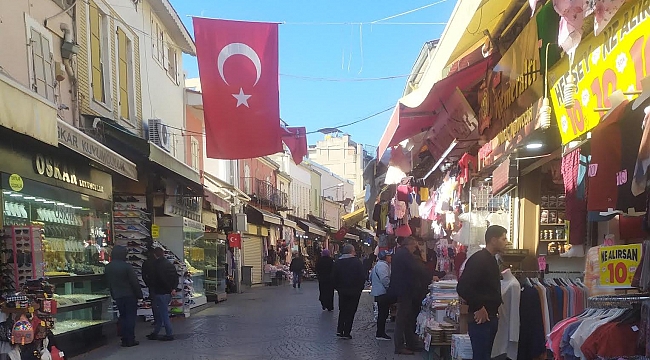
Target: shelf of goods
[[22, 256], [552, 224], [432, 325]]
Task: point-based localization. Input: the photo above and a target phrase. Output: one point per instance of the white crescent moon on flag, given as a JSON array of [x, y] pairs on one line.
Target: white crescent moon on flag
[[239, 49]]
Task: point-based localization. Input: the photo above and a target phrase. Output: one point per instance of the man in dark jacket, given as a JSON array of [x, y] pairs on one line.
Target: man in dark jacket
[[349, 280], [297, 266], [148, 273], [164, 283], [325, 286], [125, 290], [406, 285]]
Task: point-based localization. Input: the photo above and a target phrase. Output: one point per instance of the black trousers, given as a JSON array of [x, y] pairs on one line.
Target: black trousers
[[348, 304], [383, 304], [407, 314], [326, 294], [128, 308]]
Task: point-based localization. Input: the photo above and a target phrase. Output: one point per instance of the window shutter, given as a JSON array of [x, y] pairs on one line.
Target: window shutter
[[123, 73], [165, 57], [40, 83], [96, 55]]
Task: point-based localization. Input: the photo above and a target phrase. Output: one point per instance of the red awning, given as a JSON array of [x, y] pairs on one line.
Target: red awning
[[407, 122]]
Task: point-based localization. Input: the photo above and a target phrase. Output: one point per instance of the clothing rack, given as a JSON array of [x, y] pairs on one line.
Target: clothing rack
[[540, 274], [617, 301]]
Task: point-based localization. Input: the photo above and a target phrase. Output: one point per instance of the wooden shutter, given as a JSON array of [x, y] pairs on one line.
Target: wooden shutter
[[43, 70], [96, 54], [123, 65]]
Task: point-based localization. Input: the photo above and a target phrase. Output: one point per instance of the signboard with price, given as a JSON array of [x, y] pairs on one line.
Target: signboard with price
[[618, 264], [617, 59]]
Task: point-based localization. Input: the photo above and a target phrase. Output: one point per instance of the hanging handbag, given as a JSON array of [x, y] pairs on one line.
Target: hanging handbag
[[22, 332]]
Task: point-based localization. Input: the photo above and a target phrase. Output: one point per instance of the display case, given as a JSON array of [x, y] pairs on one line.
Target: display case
[[82, 301], [194, 249], [75, 227], [214, 267]]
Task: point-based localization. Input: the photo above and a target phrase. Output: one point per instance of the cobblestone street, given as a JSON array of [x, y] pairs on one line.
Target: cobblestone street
[[262, 323]]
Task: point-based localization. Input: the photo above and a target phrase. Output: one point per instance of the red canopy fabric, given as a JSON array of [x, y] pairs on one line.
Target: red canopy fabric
[[407, 122]]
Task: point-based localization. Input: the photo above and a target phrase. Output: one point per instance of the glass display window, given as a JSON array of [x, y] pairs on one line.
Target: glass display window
[[196, 258], [76, 228]]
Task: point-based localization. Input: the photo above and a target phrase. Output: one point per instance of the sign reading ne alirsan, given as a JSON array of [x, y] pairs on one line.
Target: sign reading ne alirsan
[[617, 59], [53, 168], [74, 139], [618, 264]]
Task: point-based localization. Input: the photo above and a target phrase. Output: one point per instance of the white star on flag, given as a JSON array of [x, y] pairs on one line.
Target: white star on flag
[[242, 99]]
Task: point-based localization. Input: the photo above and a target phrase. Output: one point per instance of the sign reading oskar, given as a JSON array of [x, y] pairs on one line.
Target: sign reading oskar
[[54, 168]]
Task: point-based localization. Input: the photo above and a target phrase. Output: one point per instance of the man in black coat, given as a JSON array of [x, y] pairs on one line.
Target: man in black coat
[[125, 290], [406, 285], [326, 288], [164, 284], [349, 280]]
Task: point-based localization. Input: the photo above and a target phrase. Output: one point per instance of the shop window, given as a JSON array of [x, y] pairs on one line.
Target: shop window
[[99, 55], [65, 236], [41, 65], [200, 255]]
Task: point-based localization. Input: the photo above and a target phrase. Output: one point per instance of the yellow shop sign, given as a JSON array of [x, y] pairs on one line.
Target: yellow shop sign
[[617, 59]]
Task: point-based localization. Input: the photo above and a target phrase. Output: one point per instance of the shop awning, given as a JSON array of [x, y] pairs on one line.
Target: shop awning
[[461, 34], [407, 122], [223, 189], [166, 160], [311, 228], [77, 141], [259, 216], [354, 217], [289, 223]]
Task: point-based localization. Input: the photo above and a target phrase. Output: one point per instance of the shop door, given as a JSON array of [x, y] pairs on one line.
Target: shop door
[[252, 256]]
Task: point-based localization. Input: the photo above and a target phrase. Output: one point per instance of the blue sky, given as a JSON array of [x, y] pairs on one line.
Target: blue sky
[[335, 52]]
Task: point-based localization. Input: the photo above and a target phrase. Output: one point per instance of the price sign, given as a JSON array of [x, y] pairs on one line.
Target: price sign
[[617, 59], [618, 264], [155, 231]]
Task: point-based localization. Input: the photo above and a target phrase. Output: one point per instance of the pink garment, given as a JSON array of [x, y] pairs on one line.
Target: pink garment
[[604, 11], [554, 338]]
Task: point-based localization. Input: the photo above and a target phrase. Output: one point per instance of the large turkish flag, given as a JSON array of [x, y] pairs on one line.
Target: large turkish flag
[[238, 66]]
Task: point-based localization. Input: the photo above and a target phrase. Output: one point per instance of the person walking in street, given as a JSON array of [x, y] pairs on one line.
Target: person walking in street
[[380, 277], [125, 290], [325, 286], [148, 273], [165, 281], [480, 286], [406, 288], [297, 267], [349, 280]]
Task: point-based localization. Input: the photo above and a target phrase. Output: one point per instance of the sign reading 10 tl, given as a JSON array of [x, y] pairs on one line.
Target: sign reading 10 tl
[[618, 264]]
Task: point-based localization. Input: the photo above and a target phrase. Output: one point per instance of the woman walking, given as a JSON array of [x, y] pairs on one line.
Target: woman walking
[[325, 284]]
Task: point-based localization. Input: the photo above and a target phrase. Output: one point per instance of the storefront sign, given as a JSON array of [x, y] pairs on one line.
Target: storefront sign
[[234, 240], [209, 218], [180, 201], [76, 140], [225, 222], [513, 85], [155, 231], [617, 59], [56, 169], [509, 138], [504, 177], [16, 182], [191, 224], [618, 264]]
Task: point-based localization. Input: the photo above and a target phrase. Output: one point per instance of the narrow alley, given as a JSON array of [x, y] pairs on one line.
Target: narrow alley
[[262, 323]]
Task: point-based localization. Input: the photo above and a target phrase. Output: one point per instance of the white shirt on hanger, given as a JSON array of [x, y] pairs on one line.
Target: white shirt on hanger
[[500, 218], [507, 338]]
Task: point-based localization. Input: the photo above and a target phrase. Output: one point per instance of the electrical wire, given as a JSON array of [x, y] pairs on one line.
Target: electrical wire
[[357, 121], [408, 12]]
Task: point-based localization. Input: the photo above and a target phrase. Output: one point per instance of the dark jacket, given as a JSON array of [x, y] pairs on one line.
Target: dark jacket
[[165, 277], [121, 277], [348, 275], [408, 276], [324, 269], [480, 284], [148, 271], [297, 265]]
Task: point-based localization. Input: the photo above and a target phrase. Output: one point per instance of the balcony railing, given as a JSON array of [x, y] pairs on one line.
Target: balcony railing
[[265, 192]]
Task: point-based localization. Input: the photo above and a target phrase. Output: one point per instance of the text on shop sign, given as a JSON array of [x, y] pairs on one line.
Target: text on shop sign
[[618, 264], [617, 59], [56, 169]]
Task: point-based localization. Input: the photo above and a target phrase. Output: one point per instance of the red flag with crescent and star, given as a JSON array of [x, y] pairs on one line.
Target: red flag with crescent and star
[[238, 66], [296, 140]]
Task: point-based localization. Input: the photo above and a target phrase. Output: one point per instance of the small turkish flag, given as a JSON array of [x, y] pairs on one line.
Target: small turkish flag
[[296, 140], [238, 65], [234, 240]]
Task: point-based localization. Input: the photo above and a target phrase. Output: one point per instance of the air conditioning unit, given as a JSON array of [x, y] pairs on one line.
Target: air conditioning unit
[[159, 134]]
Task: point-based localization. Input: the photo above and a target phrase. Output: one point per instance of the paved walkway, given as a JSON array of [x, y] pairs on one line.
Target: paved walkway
[[264, 323]]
